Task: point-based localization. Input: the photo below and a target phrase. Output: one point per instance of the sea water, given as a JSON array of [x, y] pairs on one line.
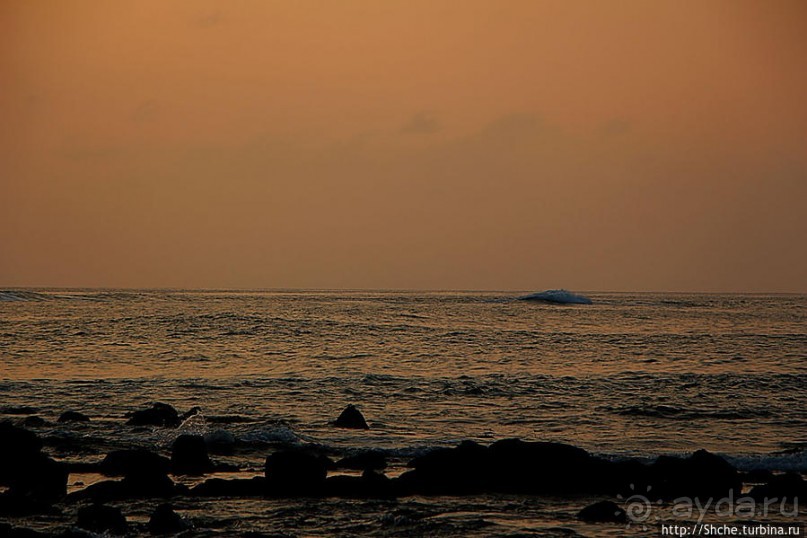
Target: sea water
[[633, 374]]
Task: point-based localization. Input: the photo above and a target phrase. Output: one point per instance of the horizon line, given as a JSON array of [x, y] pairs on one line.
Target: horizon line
[[383, 290]]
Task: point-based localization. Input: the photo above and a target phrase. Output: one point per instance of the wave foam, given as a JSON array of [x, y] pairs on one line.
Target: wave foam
[[13, 296], [271, 435], [770, 462], [557, 296]]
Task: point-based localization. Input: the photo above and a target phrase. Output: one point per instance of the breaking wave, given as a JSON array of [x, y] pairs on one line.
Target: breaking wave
[[14, 296], [557, 297]]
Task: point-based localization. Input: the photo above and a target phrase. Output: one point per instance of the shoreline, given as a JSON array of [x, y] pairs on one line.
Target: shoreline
[[36, 490]]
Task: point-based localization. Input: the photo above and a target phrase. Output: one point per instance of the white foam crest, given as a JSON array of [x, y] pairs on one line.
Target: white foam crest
[[560, 296], [271, 435], [770, 462], [15, 296]]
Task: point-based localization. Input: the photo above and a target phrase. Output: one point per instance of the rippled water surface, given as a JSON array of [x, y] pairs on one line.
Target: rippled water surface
[[631, 373]]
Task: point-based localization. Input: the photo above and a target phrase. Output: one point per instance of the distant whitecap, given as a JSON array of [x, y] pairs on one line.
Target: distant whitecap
[[557, 296], [14, 295]]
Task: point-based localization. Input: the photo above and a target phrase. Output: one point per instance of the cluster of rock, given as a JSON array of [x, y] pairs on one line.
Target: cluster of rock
[[35, 482], [98, 519], [515, 466], [33, 479], [145, 474], [508, 466]]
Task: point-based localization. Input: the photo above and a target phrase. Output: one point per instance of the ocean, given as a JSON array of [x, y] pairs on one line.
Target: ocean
[[631, 375]]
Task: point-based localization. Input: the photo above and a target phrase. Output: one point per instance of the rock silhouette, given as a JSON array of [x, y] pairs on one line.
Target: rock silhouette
[[352, 418], [540, 468], [189, 456], [25, 470], [603, 512], [371, 484], [73, 416], [159, 414], [369, 459], [100, 518], [165, 521], [461, 470], [296, 472], [788, 486], [220, 442], [34, 421], [16, 505], [131, 462], [702, 475], [144, 476]]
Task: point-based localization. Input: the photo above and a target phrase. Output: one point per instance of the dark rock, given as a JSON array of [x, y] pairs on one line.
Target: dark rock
[[73, 416], [159, 414], [626, 477], [602, 512], [189, 456], [375, 477], [133, 462], [195, 410], [528, 467], [352, 418], [100, 492], [508, 466], [148, 485], [34, 422], [165, 521], [145, 475], [22, 505], [371, 485], [17, 442], [344, 486], [788, 486], [45, 479], [703, 475], [219, 487], [448, 471], [296, 472], [220, 442], [101, 518], [26, 470], [370, 459], [756, 476]]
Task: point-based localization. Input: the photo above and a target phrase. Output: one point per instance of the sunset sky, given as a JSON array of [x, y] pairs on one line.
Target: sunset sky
[[503, 145]]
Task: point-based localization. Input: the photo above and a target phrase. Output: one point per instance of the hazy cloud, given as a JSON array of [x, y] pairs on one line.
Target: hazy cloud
[[271, 147]]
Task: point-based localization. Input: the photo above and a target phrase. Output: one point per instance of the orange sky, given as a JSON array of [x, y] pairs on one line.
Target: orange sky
[[620, 145]]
